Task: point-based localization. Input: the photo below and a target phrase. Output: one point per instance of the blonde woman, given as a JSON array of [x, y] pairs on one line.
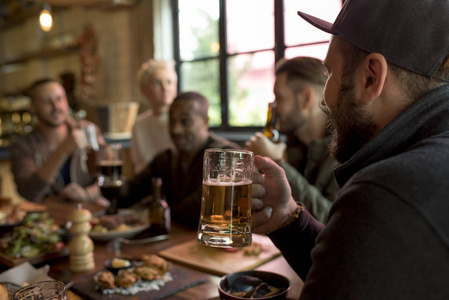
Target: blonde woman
[[158, 84]]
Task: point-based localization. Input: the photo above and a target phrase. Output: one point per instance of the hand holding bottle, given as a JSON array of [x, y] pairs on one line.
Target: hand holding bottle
[[261, 145]]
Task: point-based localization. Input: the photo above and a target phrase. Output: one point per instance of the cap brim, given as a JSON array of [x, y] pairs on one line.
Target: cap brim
[[321, 24]]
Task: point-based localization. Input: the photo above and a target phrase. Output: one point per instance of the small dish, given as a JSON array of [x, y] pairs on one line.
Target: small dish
[[278, 285], [118, 263]]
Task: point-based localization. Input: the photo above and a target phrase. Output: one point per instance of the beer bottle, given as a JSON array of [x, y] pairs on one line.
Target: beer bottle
[[159, 210], [270, 130]]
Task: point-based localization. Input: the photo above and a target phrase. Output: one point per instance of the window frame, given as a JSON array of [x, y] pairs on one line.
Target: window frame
[[223, 56]]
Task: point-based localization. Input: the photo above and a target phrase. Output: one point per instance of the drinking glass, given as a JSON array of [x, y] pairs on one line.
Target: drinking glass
[[109, 165], [226, 201], [91, 147], [43, 290]]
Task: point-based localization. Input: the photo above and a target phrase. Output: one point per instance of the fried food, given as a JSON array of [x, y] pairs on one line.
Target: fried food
[[126, 278], [155, 261], [105, 280], [148, 273], [3, 292]]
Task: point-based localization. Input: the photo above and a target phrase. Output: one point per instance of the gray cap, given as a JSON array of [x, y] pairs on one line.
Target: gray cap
[[412, 34]]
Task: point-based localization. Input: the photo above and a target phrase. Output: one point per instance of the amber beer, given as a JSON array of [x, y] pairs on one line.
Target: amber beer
[[226, 201], [225, 212]]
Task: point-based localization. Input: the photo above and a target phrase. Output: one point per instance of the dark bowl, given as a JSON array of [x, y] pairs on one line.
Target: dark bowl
[[272, 279], [115, 270]]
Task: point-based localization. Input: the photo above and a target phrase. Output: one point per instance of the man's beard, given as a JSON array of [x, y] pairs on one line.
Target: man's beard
[[350, 126]]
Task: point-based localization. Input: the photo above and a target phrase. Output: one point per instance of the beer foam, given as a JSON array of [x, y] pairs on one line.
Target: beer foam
[[215, 182], [110, 163]]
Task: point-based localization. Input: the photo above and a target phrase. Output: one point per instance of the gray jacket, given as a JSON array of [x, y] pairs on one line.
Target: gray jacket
[[387, 235], [311, 175]]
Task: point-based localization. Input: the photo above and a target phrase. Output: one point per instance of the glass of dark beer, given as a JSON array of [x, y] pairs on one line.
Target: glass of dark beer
[[226, 201], [109, 165]]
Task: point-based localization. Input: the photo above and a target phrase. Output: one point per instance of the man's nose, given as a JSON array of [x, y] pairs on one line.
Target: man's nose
[[176, 128]]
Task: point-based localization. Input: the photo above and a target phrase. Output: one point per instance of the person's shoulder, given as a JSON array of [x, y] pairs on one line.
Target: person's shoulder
[[26, 143], [148, 114]]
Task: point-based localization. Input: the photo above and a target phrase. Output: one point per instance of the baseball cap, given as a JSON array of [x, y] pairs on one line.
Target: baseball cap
[[412, 34]]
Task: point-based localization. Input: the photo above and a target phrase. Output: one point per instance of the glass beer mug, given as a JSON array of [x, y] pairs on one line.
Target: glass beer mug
[[226, 200]]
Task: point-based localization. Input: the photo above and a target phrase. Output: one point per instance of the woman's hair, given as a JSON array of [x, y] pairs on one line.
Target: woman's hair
[[148, 68], [413, 84]]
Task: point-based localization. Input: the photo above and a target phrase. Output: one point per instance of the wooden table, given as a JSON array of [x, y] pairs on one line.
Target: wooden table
[[59, 269]]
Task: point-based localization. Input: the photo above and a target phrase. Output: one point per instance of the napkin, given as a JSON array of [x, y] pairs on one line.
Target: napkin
[[25, 273]]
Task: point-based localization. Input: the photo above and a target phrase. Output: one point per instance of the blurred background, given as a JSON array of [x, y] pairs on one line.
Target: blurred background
[[225, 49]]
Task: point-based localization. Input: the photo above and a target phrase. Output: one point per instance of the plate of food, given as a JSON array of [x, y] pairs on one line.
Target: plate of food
[[35, 240], [124, 224], [149, 277]]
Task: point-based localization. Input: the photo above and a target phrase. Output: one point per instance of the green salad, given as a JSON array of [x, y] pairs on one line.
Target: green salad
[[37, 235]]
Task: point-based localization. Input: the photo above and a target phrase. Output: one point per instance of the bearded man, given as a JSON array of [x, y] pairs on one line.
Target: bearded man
[[387, 95]]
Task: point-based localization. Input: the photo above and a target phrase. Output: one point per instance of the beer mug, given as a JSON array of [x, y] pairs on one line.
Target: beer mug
[[226, 201]]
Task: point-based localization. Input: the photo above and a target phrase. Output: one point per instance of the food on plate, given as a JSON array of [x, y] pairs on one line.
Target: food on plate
[[148, 273], [126, 278], [104, 280], [117, 222], [37, 235], [11, 215], [153, 268], [156, 261], [120, 263]]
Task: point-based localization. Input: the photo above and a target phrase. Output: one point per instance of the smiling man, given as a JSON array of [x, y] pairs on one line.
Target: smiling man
[[387, 95], [49, 160], [181, 170]]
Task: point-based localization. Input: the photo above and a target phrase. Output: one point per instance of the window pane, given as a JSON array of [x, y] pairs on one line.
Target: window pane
[[298, 31], [203, 77], [198, 28], [318, 51], [250, 25], [251, 79]]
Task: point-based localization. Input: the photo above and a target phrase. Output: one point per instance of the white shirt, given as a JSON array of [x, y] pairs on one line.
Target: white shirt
[[150, 136]]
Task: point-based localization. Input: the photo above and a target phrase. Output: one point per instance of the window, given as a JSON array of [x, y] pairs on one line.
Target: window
[[227, 49]]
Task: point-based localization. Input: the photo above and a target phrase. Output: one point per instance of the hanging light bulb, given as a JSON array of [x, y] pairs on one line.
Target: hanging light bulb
[[45, 18]]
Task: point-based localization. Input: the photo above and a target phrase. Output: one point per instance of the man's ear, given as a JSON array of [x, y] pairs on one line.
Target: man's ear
[[307, 98], [373, 75]]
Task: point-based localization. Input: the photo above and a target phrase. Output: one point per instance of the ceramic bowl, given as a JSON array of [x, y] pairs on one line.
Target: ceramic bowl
[[242, 282]]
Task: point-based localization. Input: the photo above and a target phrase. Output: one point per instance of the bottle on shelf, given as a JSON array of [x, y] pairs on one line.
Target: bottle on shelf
[[270, 129], [159, 210]]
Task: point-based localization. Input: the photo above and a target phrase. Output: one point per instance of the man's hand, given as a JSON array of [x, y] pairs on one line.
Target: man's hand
[[272, 202], [75, 192], [261, 145], [75, 140]]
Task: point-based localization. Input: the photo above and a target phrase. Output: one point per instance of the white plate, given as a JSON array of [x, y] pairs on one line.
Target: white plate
[[113, 234]]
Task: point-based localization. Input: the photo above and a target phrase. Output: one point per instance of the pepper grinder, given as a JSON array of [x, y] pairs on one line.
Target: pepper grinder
[[81, 247]]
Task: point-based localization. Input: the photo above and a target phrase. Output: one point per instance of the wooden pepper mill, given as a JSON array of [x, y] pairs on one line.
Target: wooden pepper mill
[[81, 247]]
